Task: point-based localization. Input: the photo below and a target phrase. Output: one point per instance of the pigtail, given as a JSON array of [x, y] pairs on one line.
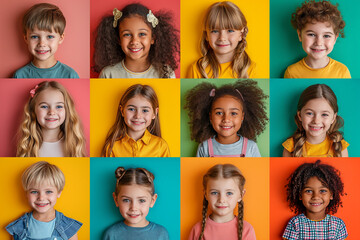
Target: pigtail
[[198, 103], [336, 136], [240, 218], [164, 53], [254, 107], [107, 48], [241, 60], [204, 217]]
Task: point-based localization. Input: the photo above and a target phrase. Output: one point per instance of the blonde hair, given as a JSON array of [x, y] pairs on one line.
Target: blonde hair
[[41, 172], [224, 171], [44, 16], [30, 132], [119, 129], [224, 15]]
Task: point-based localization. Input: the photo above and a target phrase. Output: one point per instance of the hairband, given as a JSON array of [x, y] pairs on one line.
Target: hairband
[[212, 94], [150, 17], [33, 91]]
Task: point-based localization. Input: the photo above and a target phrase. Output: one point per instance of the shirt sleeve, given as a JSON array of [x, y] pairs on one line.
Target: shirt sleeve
[[253, 150], [291, 232], [287, 74], [342, 233], [252, 70], [165, 152], [193, 71], [194, 234], [202, 150], [289, 145]]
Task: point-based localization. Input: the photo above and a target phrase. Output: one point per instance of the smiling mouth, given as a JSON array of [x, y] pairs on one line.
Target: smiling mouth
[[226, 127], [221, 207], [51, 119], [222, 45], [135, 50], [313, 128], [41, 204], [317, 50], [133, 215], [137, 123], [315, 204], [42, 51]]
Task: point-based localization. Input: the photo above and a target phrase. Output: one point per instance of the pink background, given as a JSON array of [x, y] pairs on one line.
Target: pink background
[[99, 9], [15, 93], [74, 51]]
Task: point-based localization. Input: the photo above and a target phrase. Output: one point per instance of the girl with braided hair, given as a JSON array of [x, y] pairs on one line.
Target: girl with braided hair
[[318, 125], [223, 45], [134, 195], [314, 191], [223, 191]]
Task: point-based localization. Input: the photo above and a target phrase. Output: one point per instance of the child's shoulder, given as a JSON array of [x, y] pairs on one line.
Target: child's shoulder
[[59, 70], [17, 226]]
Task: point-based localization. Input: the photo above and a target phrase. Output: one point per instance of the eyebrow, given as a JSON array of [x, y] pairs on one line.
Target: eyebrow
[[139, 107], [324, 32], [230, 109], [310, 109], [141, 29], [48, 103]]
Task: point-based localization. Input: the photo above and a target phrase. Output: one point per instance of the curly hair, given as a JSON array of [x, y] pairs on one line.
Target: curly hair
[[326, 174], [130, 176], [163, 54], [224, 171], [224, 15], [119, 129], [320, 11], [199, 104], [299, 137], [30, 131]]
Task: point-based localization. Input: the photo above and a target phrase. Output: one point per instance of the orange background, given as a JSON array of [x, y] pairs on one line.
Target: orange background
[[256, 200], [280, 214]]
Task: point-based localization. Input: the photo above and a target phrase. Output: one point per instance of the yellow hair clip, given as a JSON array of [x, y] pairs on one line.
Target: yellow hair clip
[[117, 15], [152, 19]]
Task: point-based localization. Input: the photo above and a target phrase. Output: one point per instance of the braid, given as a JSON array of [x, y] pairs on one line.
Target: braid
[[299, 141], [240, 218], [204, 213], [336, 136], [241, 60]]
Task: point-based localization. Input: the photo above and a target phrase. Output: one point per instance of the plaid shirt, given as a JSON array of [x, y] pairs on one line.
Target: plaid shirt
[[330, 228]]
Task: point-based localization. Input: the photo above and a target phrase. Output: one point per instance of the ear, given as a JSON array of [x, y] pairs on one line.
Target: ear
[[156, 113], [332, 197], [152, 40], [242, 195], [62, 36], [241, 34], [59, 194], [299, 34], [153, 200], [299, 115], [121, 110], [335, 115], [115, 199], [25, 38]]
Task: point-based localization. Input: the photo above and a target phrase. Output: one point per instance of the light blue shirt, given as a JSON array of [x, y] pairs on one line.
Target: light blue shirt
[[60, 70]]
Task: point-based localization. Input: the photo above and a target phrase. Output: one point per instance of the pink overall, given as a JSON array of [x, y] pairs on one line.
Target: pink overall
[[243, 151]]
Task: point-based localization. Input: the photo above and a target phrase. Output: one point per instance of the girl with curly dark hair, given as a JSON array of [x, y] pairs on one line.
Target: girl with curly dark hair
[[136, 43], [226, 120], [314, 190]]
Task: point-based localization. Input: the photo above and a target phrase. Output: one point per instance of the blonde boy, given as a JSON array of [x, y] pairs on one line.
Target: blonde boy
[[318, 24], [43, 184], [43, 29]]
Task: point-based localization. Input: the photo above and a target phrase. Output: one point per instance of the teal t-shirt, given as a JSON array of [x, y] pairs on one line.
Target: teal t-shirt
[[60, 70]]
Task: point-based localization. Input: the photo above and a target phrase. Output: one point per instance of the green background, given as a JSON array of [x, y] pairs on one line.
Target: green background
[[188, 147], [285, 95], [285, 48], [166, 211]]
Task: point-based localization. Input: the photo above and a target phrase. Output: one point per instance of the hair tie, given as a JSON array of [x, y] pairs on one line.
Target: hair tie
[[117, 15], [152, 19], [212, 93], [241, 96], [33, 91]]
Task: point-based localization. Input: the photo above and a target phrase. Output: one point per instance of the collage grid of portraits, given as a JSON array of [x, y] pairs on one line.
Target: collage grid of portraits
[[272, 43]]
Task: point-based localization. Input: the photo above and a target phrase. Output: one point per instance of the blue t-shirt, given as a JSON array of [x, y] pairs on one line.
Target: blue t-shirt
[[60, 70], [120, 231]]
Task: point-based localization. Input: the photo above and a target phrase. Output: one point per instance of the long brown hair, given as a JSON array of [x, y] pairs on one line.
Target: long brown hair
[[224, 171], [119, 129]]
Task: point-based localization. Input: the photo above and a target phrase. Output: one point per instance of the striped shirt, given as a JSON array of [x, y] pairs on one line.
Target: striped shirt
[[300, 227]]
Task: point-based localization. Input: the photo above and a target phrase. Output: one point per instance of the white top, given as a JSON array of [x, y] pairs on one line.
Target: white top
[[52, 149]]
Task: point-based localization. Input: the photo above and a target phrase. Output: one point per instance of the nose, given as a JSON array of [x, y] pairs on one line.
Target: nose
[[222, 35], [316, 118], [51, 111], [133, 205], [134, 39], [221, 198], [226, 117], [41, 41], [138, 114], [319, 40], [40, 196]]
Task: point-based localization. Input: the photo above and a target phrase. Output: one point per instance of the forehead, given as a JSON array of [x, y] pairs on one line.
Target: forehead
[[139, 101], [314, 182], [317, 26], [42, 184], [318, 104], [134, 191], [133, 23], [227, 101], [50, 94], [222, 184]]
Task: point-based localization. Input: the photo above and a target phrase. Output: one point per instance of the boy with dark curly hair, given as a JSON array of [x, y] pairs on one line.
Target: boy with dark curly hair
[[318, 24], [314, 190]]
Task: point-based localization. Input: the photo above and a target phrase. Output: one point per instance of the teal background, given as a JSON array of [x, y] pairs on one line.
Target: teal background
[[188, 147], [166, 211], [285, 94], [285, 48]]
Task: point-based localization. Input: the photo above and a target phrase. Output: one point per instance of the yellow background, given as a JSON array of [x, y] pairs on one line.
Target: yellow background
[[256, 200], [74, 201], [105, 95], [257, 16]]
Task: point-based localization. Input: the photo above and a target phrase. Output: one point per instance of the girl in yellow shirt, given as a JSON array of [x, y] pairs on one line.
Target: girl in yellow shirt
[[136, 131]]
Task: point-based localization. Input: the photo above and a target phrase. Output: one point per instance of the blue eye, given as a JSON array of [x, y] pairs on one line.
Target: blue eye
[[125, 200], [229, 193], [234, 113], [219, 113], [327, 36], [323, 191], [33, 192], [309, 113], [51, 36], [142, 200], [214, 31], [131, 109], [34, 37], [311, 34], [44, 106], [213, 193], [325, 115], [142, 34], [49, 192], [308, 191], [126, 35], [145, 110], [59, 106], [231, 30]]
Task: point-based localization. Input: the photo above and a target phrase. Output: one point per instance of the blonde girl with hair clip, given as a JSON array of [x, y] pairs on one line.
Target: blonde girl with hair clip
[[136, 131], [134, 195], [223, 190], [318, 124], [136, 43], [223, 45], [51, 126]]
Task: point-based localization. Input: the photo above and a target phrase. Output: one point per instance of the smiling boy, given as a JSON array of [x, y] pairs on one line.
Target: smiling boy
[[318, 24], [43, 29]]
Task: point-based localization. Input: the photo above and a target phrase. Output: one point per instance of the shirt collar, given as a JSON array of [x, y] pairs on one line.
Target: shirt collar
[[145, 138]]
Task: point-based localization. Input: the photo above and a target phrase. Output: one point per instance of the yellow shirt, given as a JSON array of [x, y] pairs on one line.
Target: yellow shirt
[[323, 149], [226, 71], [334, 69], [147, 146]]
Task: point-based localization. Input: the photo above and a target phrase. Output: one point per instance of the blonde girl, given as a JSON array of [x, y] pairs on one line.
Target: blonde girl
[[223, 44], [134, 195], [136, 131], [223, 191], [318, 125], [51, 126]]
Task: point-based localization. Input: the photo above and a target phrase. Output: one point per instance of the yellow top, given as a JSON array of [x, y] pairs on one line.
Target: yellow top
[[226, 71], [334, 69], [323, 149], [147, 146]]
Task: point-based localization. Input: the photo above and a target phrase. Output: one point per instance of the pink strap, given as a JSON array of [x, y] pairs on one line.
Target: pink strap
[[243, 151], [210, 147]]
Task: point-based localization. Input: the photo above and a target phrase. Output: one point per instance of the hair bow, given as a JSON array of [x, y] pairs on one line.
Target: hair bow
[[152, 19], [33, 91], [117, 15]]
